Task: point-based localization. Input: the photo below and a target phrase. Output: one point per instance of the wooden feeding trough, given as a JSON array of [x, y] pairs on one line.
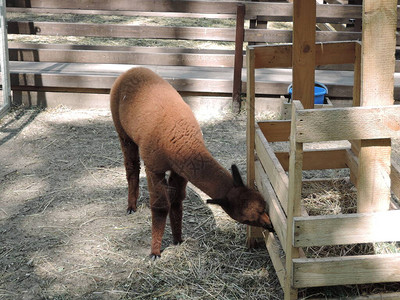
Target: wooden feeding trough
[[369, 130]]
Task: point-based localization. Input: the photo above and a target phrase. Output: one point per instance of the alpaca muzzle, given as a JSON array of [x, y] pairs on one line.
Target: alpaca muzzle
[[266, 223]]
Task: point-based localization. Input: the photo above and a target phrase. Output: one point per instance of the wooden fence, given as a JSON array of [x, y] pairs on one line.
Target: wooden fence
[[38, 70]]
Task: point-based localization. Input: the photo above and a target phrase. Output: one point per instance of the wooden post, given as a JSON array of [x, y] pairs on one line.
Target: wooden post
[[250, 110], [5, 73], [253, 233], [237, 73], [294, 202], [377, 82], [303, 55]]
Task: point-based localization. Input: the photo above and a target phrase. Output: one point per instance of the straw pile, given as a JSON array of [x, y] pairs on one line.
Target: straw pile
[[340, 197]]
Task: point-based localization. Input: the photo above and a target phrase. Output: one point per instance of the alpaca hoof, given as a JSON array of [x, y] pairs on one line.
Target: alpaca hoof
[[154, 257], [130, 210], [178, 242]]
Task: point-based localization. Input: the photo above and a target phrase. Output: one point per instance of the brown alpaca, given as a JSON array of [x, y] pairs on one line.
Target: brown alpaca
[[154, 123]]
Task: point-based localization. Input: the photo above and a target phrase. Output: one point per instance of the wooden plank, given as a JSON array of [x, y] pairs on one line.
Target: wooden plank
[[274, 12], [275, 211], [173, 50], [275, 131], [209, 7], [161, 32], [303, 54], [273, 168], [311, 272], [273, 56], [76, 81], [205, 7], [203, 79], [130, 13], [349, 123], [335, 53], [141, 56], [274, 253], [317, 159], [280, 56], [122, 31], [285, 36], [347, 229]]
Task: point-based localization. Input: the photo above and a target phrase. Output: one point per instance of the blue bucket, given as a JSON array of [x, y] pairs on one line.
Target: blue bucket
[[320, 90]]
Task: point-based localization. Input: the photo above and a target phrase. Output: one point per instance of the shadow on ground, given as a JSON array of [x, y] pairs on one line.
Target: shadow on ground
[[64, 233]]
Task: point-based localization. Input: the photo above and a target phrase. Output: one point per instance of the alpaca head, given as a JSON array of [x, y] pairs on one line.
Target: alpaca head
[[244, 205]]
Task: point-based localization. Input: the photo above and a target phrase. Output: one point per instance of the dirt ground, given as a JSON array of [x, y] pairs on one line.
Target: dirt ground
[[64, 232]]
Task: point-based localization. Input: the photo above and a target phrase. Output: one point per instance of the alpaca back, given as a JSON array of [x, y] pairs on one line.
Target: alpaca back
[[152, 113]]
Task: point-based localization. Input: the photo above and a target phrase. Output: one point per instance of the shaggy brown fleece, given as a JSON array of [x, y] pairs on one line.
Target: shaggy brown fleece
[[154, 123]]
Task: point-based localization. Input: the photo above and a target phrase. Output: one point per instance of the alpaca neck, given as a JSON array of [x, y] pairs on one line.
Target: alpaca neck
[[208, 175]]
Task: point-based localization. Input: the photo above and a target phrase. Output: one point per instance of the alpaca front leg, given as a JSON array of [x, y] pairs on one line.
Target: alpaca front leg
[[176, 194], [159, 206]]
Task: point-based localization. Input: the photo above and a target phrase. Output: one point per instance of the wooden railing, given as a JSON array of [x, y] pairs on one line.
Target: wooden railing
[[208, 72]]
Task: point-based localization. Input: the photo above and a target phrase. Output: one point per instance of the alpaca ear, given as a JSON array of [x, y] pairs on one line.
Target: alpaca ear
[[221, 202], [237, 179]]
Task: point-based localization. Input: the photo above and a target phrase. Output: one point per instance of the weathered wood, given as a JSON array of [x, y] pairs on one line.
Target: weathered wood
[[374, 175], [335, 53], [275, 131], [275, 210], [294, 201], [204, 79], [133, 5], [252, 232], [274, 253], [273, 56], [303, 53], [5, 103], [310, 272], [280, 56], [140, 55], [161, 32], [395, 178], [273, 168], [250, 110], [331, 13], [357, 76], [122, 31], [237, 72], [377, 80], [285, 36], [352, 163], [130, 13], [317, 159], [332, 124], [347, 229], [378, 48]]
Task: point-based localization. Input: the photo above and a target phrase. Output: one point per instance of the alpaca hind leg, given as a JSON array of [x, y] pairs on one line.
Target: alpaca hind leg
[[176, 194], [159, 206], [132, 167]]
